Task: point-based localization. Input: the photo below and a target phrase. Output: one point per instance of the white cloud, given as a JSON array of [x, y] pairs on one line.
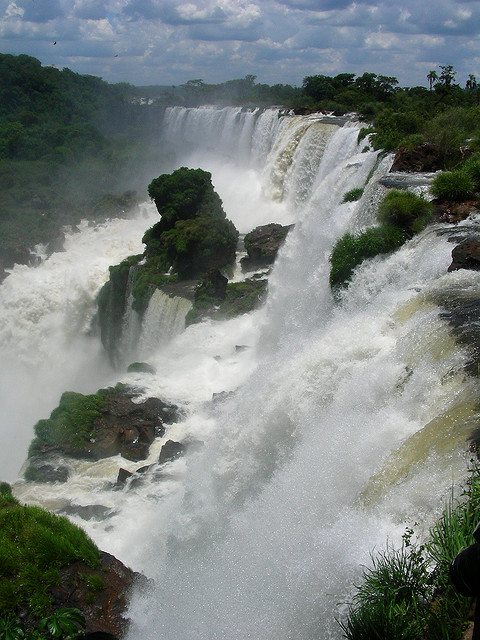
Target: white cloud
[[12, 11]]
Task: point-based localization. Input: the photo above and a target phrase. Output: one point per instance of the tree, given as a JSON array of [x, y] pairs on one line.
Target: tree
[[432, 77], [448, 75], [471, 82], [319, 87]]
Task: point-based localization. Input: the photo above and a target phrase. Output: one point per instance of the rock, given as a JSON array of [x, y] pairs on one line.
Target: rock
[[454, 211], [89, 512], [141, 367], [104, 608], [42, 471], [466, 255], [262, 245], [118, 426], [123, 476], [57, 245], [170, 451], [423, 158]]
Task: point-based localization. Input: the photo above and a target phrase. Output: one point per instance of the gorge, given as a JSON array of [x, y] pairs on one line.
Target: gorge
[[323, 425]]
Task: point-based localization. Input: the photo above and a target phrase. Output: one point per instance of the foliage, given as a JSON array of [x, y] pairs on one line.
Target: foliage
[[353, 195], [453, 185], [407, 593], [71, 423], [67, 147], [34, 545], [405, 210], [240, 297], [350, 250]]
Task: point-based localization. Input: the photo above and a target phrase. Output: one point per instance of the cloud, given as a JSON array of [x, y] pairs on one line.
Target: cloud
[[171, 41]]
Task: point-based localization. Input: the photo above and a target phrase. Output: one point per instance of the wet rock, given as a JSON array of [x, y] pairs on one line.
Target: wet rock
[[423, 158], [141, 367], [170, 451], [44, 471], [466, 255], [57, 245], [104, 608], [262, 245], [451, 212], [89, 512], [123, 476]]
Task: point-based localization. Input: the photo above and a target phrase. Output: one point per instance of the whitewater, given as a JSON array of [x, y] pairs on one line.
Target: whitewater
[[335, 423]]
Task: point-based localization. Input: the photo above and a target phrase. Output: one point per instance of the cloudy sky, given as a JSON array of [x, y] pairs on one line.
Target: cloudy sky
[[280, 41]]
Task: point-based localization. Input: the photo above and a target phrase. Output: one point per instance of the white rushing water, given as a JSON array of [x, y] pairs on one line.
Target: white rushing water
[[343, 422]]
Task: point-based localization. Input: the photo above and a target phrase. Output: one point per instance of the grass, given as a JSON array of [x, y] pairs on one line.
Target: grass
[[353, 195], [70, 424], [455, 185], [401, 214], [34, 546], [406, 594]]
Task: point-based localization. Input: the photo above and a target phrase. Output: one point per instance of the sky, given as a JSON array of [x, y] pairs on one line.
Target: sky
[[168, 42]]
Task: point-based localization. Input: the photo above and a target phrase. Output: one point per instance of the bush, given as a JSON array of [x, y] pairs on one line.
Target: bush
[[407, 593], [71, 423], [453, 185], [472, 168], [353, 195], [405, 210], [34, 545], [350, 250]]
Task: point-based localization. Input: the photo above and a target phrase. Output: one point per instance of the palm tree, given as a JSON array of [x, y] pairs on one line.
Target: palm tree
[[432, 77], [471, 82]]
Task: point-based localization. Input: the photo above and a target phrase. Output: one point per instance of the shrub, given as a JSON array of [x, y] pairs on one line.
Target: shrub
[[71, 423], [353, 195], [350, 250], [472, 168], [453, 185], [34, 545], [407, 593], [405, 210]]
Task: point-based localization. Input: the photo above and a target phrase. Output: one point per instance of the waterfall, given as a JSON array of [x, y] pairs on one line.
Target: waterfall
[[164, 318], [334, 423]]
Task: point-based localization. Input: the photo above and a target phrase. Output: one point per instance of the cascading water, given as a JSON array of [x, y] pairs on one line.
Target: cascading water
[[336, 428]]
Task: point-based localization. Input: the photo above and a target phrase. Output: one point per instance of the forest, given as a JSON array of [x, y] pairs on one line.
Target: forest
[[74, 146]]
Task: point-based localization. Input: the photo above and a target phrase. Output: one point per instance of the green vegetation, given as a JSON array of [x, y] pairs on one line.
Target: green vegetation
[[70, 424], [68, 143], [65, 624], [193, 235], [461, 184], [239, 297], [407, 593], [353, 195], [34, 546], [401, 214], [351, 250], [404, 210]]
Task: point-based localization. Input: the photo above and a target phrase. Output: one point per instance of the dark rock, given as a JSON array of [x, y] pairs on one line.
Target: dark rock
[[56, 245], [466, 255], [241, 347], [104, 609], [44, 471], [425, 157], [141, 367], [123, 476], [170, 451], [121, 427], [262, 245], [451, 212], [89, 512]]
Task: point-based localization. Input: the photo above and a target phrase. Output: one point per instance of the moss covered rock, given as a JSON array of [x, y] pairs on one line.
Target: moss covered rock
[[98, 426], [262, 245]]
